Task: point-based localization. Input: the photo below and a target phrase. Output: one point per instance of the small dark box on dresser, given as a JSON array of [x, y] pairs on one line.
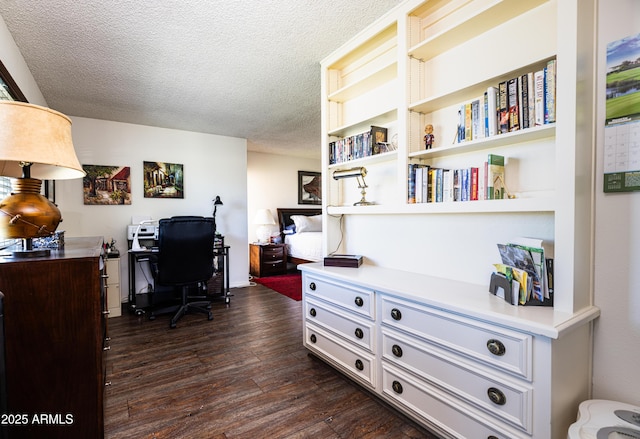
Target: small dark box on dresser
[[353, 261]]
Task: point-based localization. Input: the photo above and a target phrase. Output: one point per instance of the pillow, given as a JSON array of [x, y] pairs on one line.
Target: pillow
[[289, 230], [307, 223]]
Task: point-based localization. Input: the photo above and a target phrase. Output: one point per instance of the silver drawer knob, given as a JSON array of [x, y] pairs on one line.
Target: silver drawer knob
[[496, 396], [496, 347]]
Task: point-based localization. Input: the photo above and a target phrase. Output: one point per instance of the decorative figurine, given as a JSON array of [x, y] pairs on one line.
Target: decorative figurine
[[429, 138]]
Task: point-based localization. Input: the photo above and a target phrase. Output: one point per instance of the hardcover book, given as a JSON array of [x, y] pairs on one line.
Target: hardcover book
[[503, 109], [538, 97], [492, 111], [495, 177], [353, 261], [550, 92], [514, 106]]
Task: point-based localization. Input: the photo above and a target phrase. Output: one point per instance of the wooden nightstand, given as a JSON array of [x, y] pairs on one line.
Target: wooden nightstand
[[267, 259]]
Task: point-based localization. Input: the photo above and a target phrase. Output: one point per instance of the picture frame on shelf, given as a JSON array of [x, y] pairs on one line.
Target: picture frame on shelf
[[309, 187]]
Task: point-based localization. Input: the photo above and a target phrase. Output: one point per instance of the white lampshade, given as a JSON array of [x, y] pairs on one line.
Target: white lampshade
[[264, 219]]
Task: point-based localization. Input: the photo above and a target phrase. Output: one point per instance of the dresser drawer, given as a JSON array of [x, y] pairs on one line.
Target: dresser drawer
[[503, 349], [354, 329], [446, 412], [495, 393], [357, 363], [347, 296]]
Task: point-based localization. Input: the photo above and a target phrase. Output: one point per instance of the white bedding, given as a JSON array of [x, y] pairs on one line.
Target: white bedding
[[306, 245]]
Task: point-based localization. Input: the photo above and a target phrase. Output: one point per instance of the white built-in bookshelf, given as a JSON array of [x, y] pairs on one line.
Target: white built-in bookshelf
[[419, 65], [416, 66]]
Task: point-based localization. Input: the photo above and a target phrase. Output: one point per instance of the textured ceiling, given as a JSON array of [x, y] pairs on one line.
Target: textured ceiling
[[242, 68]]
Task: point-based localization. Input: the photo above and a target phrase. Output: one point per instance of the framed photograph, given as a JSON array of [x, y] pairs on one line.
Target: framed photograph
[[106, 185], [163, 180], [309, 187], [9, 90]]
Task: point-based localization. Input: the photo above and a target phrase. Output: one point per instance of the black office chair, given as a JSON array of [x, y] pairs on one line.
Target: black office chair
[[184, 260]]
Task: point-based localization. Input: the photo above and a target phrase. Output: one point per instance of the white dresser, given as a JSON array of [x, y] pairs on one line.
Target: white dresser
[[450, 355]]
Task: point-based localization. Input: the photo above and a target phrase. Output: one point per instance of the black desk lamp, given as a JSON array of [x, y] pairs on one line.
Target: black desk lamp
[[217, 202]]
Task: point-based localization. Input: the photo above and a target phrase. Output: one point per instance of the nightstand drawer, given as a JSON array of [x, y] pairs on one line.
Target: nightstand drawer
[[273, 267], [272, 253]]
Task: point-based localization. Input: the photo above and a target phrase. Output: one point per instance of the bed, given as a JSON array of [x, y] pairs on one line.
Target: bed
[[304, 242]]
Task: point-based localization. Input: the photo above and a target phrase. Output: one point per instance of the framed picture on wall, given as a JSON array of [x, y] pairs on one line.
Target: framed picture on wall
[[163, 180], [106, 185], [309, 187]]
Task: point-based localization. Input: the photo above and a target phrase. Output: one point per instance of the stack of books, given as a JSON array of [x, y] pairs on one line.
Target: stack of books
[[359, 146], [526, 101], [428, 184]]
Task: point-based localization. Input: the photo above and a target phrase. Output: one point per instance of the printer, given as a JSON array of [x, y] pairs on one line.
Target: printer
[[147, 231]]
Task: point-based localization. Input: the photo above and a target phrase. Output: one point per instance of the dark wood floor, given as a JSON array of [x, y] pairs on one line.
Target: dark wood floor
[[243, 375]]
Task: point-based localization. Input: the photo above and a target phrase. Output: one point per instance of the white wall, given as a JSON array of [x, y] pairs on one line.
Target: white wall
[[273, 182], [213, 165], [617, 242]]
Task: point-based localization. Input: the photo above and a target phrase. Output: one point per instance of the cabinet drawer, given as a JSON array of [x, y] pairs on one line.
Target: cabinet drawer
[[272, 253], [357, 363], [441, 409], [358, 331], [350, 297], [494, 393], [503, 349]]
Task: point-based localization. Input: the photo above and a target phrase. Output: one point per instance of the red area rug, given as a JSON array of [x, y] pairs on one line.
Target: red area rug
[[289, 285]]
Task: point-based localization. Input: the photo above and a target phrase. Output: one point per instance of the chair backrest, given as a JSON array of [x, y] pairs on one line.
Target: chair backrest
[[185, 250]]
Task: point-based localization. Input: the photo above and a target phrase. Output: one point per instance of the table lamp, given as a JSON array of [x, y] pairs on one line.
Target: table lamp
[[359, 173], [35, 144], [264, 219], [216, 202]]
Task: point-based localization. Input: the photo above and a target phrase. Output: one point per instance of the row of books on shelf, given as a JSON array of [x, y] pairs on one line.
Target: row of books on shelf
[[427, 184], [525, 276], [361, 145], [522, 102]]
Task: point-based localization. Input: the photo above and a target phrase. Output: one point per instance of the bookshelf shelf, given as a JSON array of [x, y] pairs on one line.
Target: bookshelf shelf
[[521, 136], [541, 204], [463, 24], [376, 78], [387, 116], [472, 90], [364, 161]]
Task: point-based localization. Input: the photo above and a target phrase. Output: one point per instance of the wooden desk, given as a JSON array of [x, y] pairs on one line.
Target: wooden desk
[[56, 339]]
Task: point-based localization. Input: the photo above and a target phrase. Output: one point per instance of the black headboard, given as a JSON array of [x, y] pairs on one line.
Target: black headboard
[[284, 215]]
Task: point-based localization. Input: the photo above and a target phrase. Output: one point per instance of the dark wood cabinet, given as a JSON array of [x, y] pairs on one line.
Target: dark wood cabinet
[[56, 341], [267, 259]]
